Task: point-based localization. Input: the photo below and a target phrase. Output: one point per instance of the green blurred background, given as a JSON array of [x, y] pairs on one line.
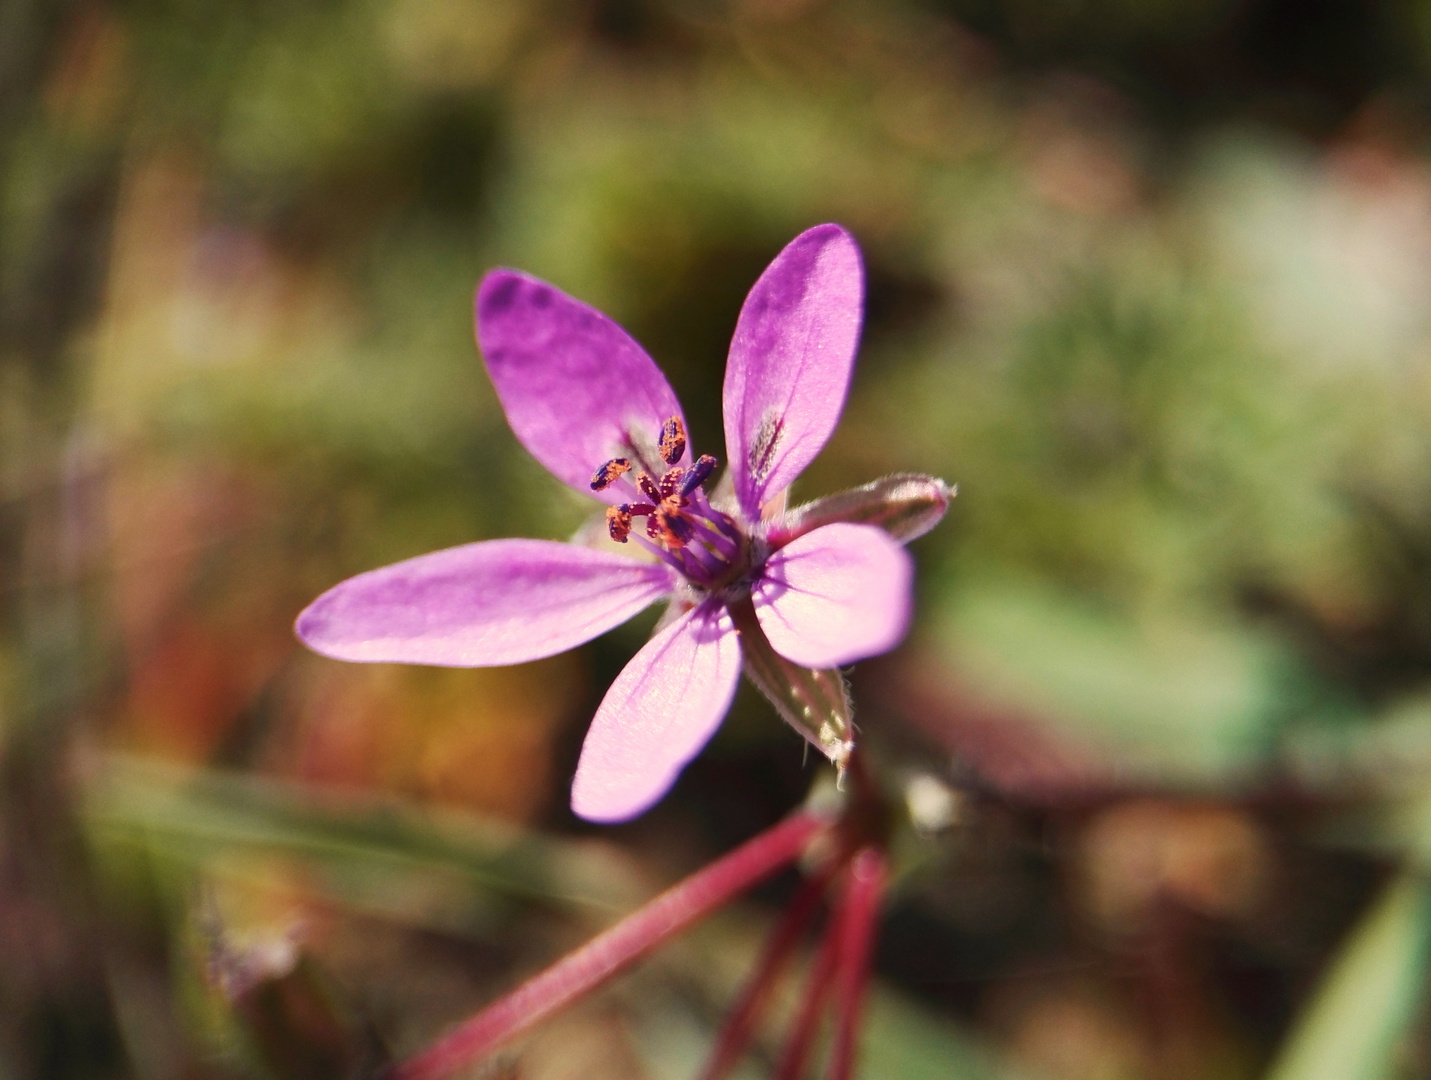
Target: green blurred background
[[1148, 279]]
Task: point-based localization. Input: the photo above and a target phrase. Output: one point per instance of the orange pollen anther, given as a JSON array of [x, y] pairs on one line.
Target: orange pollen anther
[[699, 541], [670, 485], [618, 522], [673, 440], [609, 473], [669, 528]]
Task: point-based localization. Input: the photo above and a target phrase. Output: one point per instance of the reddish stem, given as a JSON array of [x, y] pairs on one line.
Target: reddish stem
[[779, 947], [608, 953], [859, 910], [796, 1051]]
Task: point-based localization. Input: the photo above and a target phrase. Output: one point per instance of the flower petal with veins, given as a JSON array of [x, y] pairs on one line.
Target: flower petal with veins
[[575, 386], [837, 594], [663, 707], [479, 605], [790, 361]]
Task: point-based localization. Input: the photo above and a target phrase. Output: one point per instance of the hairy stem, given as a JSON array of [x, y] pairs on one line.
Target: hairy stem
[[740, 1024], [859, 911], [801, 1038], [580, 972]]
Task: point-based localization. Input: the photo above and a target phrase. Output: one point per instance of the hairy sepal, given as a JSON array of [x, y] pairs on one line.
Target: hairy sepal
[[814, 703], [905, 505]]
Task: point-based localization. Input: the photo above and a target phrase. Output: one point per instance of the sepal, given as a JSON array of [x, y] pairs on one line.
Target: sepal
[[905, 505], [814, 703]]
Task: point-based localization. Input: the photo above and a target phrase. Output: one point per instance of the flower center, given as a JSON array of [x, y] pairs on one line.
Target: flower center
[[681, 525]]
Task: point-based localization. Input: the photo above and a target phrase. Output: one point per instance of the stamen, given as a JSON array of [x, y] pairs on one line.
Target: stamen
[[609, 473], [692, 568], [673, 440], [668, 557], [709, 514], [681, 525], [618, 522], [710, 563], [671, 483], [668, 528], [678, 524], [717, 540], [696, 475]]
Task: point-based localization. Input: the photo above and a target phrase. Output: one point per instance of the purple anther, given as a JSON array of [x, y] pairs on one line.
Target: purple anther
[[609, 473], [697, 474], [673, 440]]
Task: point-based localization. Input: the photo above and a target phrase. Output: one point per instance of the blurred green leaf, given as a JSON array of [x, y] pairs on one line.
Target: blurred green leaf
[[1186, 701], [1376, 773], [1352, 1028], [437, 866], [904, 1040]]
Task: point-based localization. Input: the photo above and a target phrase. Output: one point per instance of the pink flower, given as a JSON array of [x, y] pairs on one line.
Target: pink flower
[[812, 589]]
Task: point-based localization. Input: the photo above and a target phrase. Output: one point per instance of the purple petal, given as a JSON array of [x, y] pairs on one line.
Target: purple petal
[[837, 594], [499, 602], [663, 707], [577, 390], [790, 361]]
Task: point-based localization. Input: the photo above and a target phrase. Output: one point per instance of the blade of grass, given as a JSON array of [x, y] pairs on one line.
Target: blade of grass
[[1351, 1029]]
